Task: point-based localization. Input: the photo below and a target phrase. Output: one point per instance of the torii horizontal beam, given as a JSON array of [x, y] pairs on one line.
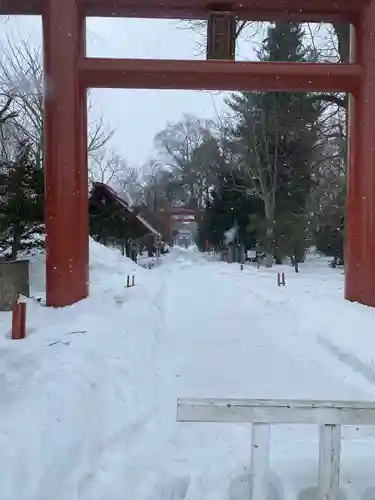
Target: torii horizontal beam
[[223, 75], [300, 10]]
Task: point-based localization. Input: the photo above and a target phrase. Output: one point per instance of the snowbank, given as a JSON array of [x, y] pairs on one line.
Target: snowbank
[[82, 380]]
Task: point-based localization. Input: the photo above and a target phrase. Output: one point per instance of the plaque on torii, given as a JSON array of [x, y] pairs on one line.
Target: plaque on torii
[[221, 36]]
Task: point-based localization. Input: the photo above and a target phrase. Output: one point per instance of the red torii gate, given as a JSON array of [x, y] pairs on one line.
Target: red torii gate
[[181, 214], [69, 73]]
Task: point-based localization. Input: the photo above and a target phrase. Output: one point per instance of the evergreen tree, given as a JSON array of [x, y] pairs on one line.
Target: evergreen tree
[[21, 203], [330, 234], [228, 208], [274, 139]]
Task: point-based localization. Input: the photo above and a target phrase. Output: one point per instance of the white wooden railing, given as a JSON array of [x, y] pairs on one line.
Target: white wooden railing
[[261, 413]]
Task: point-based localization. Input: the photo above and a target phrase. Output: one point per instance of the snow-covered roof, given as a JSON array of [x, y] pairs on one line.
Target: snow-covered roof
[[120, 200]]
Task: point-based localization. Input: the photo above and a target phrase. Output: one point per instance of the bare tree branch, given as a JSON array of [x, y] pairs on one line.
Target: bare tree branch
[[22, 80]]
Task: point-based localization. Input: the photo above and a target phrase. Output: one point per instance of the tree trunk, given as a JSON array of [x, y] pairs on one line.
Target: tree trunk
[[343, 35], [16, 242], [269, 252], [269, 213], [278, 260], [295, 262]]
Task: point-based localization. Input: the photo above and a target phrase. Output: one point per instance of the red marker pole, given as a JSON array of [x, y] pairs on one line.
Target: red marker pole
[[19, 321]]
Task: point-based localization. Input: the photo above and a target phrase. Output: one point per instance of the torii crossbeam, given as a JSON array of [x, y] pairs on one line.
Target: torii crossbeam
[[68, 74], [263, 10]]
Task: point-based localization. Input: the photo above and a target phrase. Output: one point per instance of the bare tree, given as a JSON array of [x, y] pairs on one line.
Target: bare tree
[[272, 140], [159, 186], [255, 146], [5, 113], [330, 41], [329, 163], [108, 166], [248, 31], [105, 165], [22, 80], [190, 150], [7, 123], [98, 135], [129, 184]]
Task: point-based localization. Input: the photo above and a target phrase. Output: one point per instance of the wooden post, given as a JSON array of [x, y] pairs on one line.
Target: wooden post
[[19, 321], [360, 248], [65, 139], [260, 456], [281, 279], [329, 462]]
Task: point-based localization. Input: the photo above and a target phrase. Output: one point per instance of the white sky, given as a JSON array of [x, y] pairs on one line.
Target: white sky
[[137, 114]]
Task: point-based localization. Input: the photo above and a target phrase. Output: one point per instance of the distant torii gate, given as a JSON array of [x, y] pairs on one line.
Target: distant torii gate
[[181, 215], [69, 73]]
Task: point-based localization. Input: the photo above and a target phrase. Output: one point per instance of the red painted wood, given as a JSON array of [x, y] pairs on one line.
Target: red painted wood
[[19, 321], [307, 10], [214, 75], [21, 7], [65, 156], [302, 10], [360, 257]]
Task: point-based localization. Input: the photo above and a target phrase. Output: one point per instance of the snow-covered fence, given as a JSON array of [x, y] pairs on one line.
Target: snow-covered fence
[[328, 415]]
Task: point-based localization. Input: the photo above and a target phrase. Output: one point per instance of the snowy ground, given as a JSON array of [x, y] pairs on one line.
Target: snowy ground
[[88, 400]]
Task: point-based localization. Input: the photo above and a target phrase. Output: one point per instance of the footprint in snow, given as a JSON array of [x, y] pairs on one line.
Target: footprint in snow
[[167, 487]]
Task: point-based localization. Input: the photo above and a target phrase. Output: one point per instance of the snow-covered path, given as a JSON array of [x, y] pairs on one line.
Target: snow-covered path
[[227, 340], [93, 417], [216, 337]]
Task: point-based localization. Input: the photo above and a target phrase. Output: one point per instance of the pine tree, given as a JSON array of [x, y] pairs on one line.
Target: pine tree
[[274, 137], [21, 203], [227, 208]]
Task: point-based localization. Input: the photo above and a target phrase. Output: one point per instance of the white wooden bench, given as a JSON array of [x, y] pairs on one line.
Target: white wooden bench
[[261, 413]]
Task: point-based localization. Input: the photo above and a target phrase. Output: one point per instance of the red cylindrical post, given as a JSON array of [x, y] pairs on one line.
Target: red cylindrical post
[[66, 214], [19, 321], [360, 250]]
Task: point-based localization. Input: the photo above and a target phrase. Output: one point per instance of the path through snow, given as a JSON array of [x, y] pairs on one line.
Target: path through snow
[[93, 417]]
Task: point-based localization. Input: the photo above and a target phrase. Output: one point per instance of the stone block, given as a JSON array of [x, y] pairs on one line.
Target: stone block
[[14, 280]]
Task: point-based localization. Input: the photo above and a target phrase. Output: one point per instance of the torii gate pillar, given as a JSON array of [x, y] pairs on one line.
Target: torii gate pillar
[[360, 249], [65, 130]]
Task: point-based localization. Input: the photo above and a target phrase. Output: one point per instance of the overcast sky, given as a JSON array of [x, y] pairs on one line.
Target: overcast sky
[[137, 114]]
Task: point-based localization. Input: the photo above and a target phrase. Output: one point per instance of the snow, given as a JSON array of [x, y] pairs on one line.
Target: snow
[[88, 400], [230, 235]]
